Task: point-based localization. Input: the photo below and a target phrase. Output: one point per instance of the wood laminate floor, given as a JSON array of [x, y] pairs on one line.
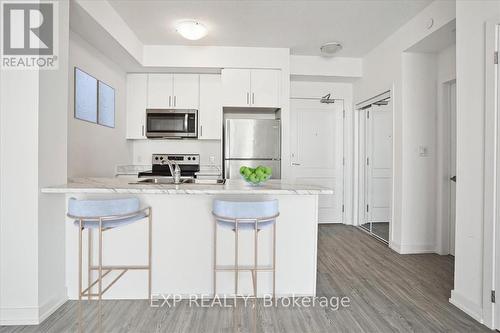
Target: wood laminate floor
[[387, 292]]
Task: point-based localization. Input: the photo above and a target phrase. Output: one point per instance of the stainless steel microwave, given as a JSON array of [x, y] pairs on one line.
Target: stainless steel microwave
[[171, 123]]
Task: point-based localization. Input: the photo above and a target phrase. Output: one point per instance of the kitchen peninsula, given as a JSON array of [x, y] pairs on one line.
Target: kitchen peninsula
[[183, 237]]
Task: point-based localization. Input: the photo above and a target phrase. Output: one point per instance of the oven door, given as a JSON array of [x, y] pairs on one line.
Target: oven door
[[168, 123]]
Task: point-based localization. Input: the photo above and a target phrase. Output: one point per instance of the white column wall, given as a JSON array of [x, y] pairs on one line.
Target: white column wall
[[33, 107]]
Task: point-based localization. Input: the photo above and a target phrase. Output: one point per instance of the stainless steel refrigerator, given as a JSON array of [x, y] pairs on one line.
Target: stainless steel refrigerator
[[251, 142]]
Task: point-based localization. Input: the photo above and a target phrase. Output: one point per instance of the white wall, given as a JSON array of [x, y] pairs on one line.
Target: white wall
[[471, 17], [382, 71], [326, 66], [19, 196], [33, 107], [95, 150], [418, 204], [52, 170], [143, 149]]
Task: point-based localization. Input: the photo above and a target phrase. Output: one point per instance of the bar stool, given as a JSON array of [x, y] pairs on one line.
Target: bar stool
[[105, 215], [246, 216]]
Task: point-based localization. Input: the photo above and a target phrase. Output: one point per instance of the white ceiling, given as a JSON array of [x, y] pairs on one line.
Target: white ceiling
[[301, 26]]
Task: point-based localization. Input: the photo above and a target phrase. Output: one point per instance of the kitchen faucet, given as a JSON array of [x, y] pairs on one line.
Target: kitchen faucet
[[175, 171]]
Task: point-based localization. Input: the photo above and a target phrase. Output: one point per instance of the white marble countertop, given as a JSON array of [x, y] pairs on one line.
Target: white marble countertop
[[121, 185]]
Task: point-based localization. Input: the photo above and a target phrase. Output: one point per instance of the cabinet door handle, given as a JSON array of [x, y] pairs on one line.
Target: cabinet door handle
[[248, 98], [295, 164], [142, 130], [175, 100], [169, 100], [253, 98], [201, 130]]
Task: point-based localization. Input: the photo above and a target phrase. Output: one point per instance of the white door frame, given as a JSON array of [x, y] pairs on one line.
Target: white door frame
[[359, 169], [444, 169], [491, 215]]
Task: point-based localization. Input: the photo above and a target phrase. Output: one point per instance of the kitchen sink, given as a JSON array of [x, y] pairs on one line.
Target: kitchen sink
[[170, 181]]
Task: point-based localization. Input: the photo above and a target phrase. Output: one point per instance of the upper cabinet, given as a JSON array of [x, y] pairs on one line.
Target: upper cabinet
[[160, 90], [186, 91], [265, 88], [251, 87], [173, 91], [210, 112], [137, 99]]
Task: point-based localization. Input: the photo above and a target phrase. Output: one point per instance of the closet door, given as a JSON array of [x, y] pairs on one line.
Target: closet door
[[378, 180]]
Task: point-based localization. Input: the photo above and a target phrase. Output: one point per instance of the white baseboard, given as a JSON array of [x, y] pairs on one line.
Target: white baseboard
[[472, 309], [26, 315], [412, 248], [51, 305], [31, 315]]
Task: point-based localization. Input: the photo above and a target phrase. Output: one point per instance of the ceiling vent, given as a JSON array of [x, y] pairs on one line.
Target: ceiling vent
[[329, 49]]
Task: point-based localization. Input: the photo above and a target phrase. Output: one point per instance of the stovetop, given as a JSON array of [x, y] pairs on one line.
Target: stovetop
[[188, 163]]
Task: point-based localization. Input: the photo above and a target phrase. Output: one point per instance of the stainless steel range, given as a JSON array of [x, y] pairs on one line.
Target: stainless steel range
[[164, 164]]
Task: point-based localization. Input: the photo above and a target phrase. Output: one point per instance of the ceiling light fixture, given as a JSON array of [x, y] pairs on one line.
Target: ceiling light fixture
[[329, 49], [191, 29]]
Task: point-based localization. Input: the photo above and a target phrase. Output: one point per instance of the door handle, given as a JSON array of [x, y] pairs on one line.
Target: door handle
[[175, 100], [248, 98], [142, 130], [295, 164], [253, 98], [454, 179], [201, 130], [169, 100]]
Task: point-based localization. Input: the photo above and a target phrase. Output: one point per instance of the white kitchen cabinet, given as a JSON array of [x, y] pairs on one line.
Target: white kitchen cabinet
[[236, 87], [186, 91], [137, 99], [265, 88], [210, 112], [250, 87], [160, 89], [173, 91]]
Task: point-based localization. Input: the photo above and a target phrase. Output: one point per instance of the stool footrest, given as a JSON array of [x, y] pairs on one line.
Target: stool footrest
[[96, 268], [231, 268], [86, 291]]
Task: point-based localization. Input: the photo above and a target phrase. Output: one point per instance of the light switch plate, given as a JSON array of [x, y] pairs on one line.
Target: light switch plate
[[423, 151]]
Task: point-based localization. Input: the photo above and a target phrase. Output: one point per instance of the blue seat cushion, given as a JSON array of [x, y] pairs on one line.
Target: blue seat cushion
[[102, 208], [233, 209]]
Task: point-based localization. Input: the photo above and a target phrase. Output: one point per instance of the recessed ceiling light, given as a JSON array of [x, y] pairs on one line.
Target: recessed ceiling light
[[191, 29], [329, 49]]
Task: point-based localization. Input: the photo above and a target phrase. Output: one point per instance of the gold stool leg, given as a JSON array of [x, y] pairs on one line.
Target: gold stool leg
[[274, 261], [100, 274], [236, 271], [89, 291], [215, 258], [256, 233], [150, 247], [80, 232]]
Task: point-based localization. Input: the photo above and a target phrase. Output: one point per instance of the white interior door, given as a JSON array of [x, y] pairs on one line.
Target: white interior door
[[453, 162], [317, 152], [378, 189]]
